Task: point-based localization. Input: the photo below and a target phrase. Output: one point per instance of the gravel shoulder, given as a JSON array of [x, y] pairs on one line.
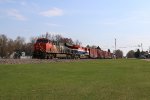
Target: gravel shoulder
[[37, 61]]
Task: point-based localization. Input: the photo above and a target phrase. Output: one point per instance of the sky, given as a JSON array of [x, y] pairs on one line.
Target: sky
[[93, 22]]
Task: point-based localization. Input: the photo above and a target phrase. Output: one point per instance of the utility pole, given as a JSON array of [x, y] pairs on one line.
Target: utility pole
[[141, 46], [1, 45], [115, 47], [115, 44], [47, 35]]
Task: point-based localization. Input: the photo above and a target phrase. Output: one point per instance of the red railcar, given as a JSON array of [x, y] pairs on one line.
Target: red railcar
[[100, 54], [93, 53]]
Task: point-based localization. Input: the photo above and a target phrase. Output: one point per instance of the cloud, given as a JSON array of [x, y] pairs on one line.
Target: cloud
[[18, 2], [52, 12], [6, 1], [16, 14]]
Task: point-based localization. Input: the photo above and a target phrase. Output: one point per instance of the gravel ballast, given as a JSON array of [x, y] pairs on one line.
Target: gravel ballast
[[37, 61]]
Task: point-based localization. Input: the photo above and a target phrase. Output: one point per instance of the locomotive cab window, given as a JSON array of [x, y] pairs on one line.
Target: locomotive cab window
[[42, 41]]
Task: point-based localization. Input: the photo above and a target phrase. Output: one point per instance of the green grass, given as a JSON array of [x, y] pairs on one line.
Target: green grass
[[88, 80]]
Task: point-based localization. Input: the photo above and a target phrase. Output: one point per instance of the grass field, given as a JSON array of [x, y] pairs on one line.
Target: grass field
[[88, 80]]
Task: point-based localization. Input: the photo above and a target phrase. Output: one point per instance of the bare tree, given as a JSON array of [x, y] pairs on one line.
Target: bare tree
[[33, 40], [3, 45], [19, 42], [63, 40], [138, 53], [77, 42], [98, 48], [93, 46], [10, 47], [119, 53], [131, 54], [58, 37]]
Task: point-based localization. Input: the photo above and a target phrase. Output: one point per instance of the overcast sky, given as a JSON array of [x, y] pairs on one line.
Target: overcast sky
[[94, 22]]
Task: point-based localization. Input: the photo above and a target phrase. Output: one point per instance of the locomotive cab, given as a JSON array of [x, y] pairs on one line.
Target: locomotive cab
[[41, 46]]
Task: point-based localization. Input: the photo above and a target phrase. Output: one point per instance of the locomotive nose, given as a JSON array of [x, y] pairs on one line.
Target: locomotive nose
[[40, 47]]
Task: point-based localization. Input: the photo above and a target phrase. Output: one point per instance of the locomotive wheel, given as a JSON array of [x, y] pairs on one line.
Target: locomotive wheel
[[43, 55], [47, 56], [68, 56]]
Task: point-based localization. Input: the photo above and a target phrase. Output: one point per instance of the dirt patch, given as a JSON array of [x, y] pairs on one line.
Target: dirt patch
[[146, 59]]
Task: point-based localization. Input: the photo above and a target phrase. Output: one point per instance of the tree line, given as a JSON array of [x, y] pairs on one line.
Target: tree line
[[138, 54], [9, 46], [132, 54], [18, 45]]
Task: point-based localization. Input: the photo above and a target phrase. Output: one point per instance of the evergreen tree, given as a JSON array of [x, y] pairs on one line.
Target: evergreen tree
[[137, 53]]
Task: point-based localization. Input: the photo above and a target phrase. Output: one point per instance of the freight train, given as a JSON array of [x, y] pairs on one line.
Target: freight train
[[46, 49]]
